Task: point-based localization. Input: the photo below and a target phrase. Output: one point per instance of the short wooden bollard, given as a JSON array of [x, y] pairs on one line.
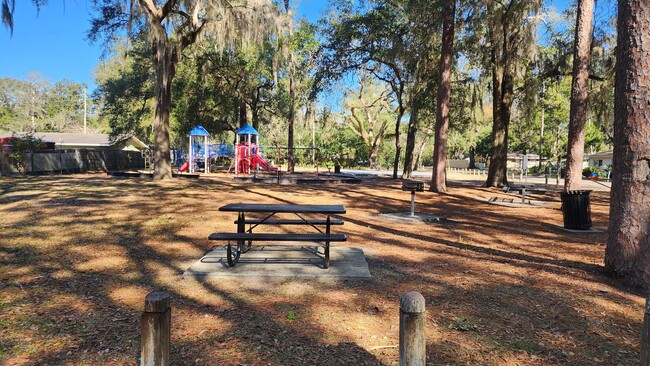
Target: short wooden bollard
[[156, 328], [412, 330], [645, 335]]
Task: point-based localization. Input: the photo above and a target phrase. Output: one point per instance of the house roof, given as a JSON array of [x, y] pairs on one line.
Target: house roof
[[85, 139], [602, 155]]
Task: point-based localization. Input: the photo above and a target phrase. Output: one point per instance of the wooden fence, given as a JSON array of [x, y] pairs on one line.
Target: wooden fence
[[73, 161]]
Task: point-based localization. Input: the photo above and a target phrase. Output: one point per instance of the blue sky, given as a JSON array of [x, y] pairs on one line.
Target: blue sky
[[53, 43]]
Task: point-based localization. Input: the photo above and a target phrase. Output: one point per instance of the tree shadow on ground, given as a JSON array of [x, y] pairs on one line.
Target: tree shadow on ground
[[80, 256]]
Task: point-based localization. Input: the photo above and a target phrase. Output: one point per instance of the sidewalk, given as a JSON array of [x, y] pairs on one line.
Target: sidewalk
[[460, 176]]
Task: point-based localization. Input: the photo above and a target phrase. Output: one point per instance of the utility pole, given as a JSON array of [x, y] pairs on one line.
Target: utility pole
[[85, 110], [313, 139], [541, 130]]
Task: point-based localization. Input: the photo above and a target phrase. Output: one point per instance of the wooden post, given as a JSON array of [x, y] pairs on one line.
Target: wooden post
[[645, 335], [156, 329], [412, 330]]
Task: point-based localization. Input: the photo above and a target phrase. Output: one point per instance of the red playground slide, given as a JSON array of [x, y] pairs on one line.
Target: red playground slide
[[184, 167], [258, 160]]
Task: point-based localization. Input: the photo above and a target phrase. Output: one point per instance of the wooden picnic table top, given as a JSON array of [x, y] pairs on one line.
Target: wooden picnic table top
[[283, 208]]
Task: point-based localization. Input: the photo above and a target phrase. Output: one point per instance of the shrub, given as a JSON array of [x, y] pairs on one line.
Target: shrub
[[586, 172], [21, 145]]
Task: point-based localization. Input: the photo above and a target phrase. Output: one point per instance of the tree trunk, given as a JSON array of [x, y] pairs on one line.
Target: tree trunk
[[439, 177], [398, 148], [628, 246], [499, 150], [242, 113], [165, 59], [372, 160], [472, 157], [579, 95], [541, 139], [410, 140], [291, 163], [255, 110], [418, 156]]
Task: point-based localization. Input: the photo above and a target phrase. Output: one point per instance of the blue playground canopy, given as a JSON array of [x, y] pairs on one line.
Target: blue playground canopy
[[247, 130], [199, 131]]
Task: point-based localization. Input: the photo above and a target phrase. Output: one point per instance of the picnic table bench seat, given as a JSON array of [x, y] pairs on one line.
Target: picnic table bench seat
[[289, 222], [290, 239], [278, 237]]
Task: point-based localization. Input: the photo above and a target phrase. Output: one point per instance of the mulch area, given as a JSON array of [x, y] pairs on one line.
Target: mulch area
[[503, 286]]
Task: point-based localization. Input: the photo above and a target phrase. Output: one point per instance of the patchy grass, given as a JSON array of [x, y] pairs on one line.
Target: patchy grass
[[504, 286]]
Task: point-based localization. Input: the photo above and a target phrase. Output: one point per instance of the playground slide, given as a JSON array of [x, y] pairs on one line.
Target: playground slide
[[185, 166], [257, 159]]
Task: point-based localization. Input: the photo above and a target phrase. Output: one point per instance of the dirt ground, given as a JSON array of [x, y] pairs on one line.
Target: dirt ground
[[503, 286]]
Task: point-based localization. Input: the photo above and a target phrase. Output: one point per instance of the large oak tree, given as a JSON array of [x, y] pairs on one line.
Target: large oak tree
[[510, 29], [172, 26]]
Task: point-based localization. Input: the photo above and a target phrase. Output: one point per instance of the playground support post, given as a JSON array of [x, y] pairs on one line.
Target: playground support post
[[189, 157], [206, 154], [236, 155]]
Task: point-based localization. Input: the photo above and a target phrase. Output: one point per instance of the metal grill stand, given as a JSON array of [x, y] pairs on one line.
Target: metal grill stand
[[413, 187]]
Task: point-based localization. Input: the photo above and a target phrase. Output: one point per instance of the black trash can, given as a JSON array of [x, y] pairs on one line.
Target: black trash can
[[337, 169], [576, 210]]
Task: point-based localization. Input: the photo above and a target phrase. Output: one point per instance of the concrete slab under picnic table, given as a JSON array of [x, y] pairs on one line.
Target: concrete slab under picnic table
[[282, 261]]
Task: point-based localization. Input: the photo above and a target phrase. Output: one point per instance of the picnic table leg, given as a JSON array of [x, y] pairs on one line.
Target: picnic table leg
[[326, 259], [231, 257], [241, 226], [245, 247]]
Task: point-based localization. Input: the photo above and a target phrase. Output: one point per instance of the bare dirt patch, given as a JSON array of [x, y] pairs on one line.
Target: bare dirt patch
[[504, 286]]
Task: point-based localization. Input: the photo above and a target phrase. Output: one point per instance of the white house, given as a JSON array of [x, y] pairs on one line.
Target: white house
[[601, 159]]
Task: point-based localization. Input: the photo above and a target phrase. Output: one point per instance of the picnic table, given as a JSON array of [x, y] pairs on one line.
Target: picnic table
[[300, 215], [520, 187]]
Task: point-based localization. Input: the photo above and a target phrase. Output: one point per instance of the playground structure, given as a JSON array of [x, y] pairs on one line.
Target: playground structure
[[201, 152], [197, 149], [247, 152], [246, 156]]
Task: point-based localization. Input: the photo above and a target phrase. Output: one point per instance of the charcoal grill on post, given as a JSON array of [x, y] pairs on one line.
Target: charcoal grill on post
[[413, 187]]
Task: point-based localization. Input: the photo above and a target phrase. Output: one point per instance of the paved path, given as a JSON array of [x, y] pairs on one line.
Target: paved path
[[459, 176]]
